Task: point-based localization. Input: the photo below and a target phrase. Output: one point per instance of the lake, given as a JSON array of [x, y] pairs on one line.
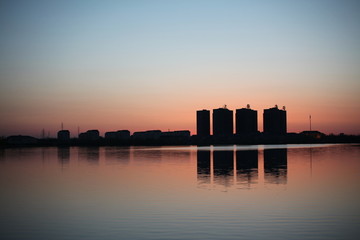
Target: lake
[[216, 192]]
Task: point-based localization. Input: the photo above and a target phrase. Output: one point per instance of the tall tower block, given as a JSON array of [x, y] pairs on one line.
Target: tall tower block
[[275, 121], [246, 121], [223, 123], [203, 123]]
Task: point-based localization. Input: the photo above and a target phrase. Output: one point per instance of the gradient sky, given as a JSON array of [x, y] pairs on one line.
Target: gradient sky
[[142, 65]]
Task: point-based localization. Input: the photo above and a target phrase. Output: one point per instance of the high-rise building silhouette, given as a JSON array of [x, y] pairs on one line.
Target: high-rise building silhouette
[[203, 122], [223, 123], [275, 120], [246, 121]]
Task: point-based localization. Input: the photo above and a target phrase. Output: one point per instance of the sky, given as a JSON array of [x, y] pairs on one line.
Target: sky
[[143, 65]]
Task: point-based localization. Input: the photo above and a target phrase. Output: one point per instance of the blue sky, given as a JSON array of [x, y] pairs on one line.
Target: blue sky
[[59, 58]]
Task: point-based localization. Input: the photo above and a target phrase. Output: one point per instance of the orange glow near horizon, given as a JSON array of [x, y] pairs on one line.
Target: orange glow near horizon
[[141, 66], [142, 119], [174, 110]]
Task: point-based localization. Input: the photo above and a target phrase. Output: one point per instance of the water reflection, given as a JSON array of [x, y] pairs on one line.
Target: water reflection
[[311, 161], [219, 166], [275, 166], [176, 156], [115, 155], [159, 201], [63, 155], [2, 154], [89, 154], [223, 162], [203, 166], [147, 155], [247, 167]]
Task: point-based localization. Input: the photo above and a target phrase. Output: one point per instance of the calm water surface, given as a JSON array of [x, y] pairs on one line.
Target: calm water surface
[[229, 192]]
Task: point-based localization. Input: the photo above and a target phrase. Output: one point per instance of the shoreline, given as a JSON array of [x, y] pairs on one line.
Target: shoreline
[[259, 139]]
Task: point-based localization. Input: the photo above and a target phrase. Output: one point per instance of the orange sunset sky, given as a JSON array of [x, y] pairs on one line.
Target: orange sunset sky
[[142, 65]]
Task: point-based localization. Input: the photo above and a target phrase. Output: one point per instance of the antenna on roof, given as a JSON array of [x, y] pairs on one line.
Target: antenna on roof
[[225, 106], [248, 106], [62, 126], [310, 121]]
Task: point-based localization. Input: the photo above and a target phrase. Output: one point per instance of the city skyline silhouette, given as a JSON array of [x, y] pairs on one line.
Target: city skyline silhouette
[[220, 127], [142, 66], [181, 119]]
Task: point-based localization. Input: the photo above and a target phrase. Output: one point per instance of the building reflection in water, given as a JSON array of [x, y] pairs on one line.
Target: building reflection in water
[[89, 154], [275, 166], [115, 155], [147, 155], [63, 155], [247, 167], [176, 156], [218, 167], [2, 154], [223, 164], [203, 166]]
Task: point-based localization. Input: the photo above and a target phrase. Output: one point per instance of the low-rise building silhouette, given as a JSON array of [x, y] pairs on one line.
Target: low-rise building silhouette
[[275, 120], [223, 123], [246, 121], [147, 135], [313, 134], [90, 135], [182, 133], [203, 123], [118, 135], [63, 135], [21, 140]]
